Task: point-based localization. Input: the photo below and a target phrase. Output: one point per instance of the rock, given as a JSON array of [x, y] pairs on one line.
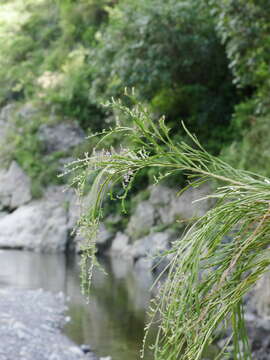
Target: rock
[[171, 207], [103, 240], [150, 245], [7, 112], [63, 162], [104, 237], [119, 245], [15, 187], [2, 214], [142, 220], [77, 207], [60, 137], [144, 263], [41, 225], [5, 117], [186, 207], [27, 111], [86, 348], [161, 195], [261, 296], [30, 328]]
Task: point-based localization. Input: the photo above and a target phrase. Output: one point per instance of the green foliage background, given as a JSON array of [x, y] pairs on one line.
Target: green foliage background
[[202, 61]]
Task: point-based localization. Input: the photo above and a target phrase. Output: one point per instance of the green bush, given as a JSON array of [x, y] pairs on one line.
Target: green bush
[[170, 53], [43, 55]]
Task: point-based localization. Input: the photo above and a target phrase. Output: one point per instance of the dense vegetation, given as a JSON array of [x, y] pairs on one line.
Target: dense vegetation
[[196, 61], [205, 62]]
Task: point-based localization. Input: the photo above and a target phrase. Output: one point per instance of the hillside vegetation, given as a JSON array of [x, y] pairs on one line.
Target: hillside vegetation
[[203, 62]]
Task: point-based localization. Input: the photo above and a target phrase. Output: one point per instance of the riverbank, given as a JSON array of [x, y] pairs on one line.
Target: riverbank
[[113, 319], [31, 323]]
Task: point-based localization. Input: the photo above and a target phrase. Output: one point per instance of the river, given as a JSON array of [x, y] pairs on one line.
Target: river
[[113, 320]]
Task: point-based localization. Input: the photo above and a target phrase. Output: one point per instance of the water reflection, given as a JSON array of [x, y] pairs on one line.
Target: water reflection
[[113, 320]]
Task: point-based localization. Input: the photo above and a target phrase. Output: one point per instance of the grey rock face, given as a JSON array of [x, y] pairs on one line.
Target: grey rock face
[[76, 209], [142, 220], [15, 187], [27, 111], [5, 116], [41, 225], [103, 239], [120, 244], [161, 195], [30, 327], [6, 112], [104, 236], [61, 137], [150, 245], [171, 207], [261, 296]]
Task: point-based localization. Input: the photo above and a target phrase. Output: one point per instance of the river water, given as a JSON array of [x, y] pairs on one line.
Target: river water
[[113, 320]]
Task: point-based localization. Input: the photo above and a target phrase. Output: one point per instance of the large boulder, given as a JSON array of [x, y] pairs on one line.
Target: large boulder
[[11, 111], [41, 225], [6, 115], [103, 239], [146, 253], [142, 220], [261, 296], [151, 245], [78, 207], [171, 207], [27, 111], [120, 244], [60, 137], [15, 187]]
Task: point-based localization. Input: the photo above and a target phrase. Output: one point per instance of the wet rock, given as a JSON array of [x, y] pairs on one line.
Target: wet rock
[[103, 240], [120, 244], [86, 348], [104, 237], [5, 117], [27, 111], [15, 187], [142, 220], [173, 207], [144, 263], [161, 195], [261, 296], [150, 245], [77, 207], [41, 225], [60, 137], [3, 213], [6, 113], [30, 327]]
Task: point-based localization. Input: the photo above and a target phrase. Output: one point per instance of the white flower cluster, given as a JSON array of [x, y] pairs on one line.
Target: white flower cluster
[[127, 176]]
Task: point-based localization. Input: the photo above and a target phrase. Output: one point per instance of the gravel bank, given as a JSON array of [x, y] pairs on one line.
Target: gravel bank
[[30, 327]]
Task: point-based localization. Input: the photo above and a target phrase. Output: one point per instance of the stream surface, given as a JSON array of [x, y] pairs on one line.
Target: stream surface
[[113, 319]]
